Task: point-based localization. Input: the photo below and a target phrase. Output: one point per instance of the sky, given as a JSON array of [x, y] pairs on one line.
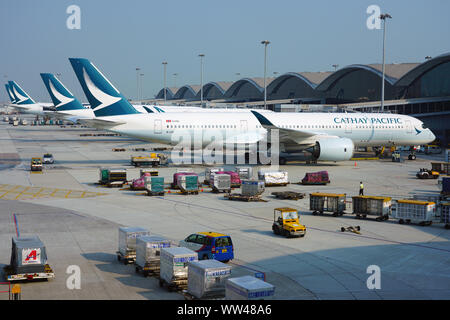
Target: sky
[[118, 36]]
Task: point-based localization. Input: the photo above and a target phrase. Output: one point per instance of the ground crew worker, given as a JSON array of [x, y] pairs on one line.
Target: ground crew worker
[[361, 189]]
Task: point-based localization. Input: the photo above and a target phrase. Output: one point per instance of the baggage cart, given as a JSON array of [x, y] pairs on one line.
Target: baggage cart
[[173, 272], [153, 172], [372, 206], [441, 167], [177, 176], [152, 160], [252, 187], [244, 172], [127, 243], [154, 185], [327, 202], [445, 214], [28, 260], [289, 195], [188, 184], [139, 183], [241, 197], [116, 177], [210, 171], [148, 250], [415, 211], [206, 278], [248, 288], [220, 182], [273, 178]]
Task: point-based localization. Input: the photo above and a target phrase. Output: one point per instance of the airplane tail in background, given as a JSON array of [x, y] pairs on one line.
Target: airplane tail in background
[[104, 98], [22, 98], [62, 98], [10, 94]]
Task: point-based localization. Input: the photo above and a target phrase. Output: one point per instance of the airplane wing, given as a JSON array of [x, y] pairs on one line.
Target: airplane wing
[[300, 137]]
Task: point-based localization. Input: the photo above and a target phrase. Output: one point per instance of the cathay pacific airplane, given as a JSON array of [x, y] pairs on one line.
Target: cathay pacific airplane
[[24, 103], [66, 105], [328, 136]]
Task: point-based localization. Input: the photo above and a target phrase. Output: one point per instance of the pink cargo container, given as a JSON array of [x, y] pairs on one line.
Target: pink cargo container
[[177, 175], [139, 183], [235, 179]]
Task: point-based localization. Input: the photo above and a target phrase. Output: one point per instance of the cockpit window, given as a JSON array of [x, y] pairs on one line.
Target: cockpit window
[[424, 126]]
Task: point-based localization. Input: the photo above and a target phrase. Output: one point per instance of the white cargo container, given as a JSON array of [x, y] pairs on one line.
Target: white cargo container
[[248, 288], [206, 278], [174, 266], [273, 178], [445, 214], [210, 171], [252, 187], [127, 242], [148, 249], [244, 172], [415, 211], [220, 182]]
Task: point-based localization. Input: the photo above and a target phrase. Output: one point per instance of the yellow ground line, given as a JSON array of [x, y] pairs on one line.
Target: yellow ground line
[[82, 195], [4, 194], [67, 194], [18, 195]]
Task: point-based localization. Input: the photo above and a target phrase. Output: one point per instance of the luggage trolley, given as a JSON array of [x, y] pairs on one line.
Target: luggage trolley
[[327, 202]]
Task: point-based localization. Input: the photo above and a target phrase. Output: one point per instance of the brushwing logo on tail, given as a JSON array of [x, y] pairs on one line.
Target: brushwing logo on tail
[[20, 97], [105, 99], [60, 97]]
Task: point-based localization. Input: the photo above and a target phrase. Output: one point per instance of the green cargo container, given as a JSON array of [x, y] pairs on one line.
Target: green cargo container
[[188, 183], [154, 185]]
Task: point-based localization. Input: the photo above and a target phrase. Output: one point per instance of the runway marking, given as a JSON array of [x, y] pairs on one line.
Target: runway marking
[[15, 192]]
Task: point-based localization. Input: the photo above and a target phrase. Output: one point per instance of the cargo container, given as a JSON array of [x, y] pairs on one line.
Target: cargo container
[[441, 167], [112, 177], [235, 180], [178, 175], [273, 178], [174, 263], [414, 211], [188, 184], [154, 185], [208, 173], [148, 249], [220, 182], [127, 243], [244, 172], [206, 278], [248, 288], [139, 183], [153, 172], [445, 214], [445, 187], [252, 187], [316, 178], [28, 260], [327, 202], [364, 206]]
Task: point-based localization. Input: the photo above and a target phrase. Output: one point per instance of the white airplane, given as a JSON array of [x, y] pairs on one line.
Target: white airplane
[[328, 136], [22, 102], [66, 105]]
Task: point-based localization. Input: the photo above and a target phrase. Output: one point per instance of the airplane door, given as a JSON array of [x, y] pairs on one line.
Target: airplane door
[[244, 127], [408, 126], [158, 126]]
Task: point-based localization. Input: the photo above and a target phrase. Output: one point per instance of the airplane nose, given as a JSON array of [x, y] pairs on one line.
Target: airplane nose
[[432, 136]]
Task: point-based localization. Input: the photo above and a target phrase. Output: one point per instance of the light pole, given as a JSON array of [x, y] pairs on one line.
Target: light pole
[[137, 82], [175, 77], [165, 95], [383, 17], [335, 66], [265, 43], [141, 87], [201, 55]]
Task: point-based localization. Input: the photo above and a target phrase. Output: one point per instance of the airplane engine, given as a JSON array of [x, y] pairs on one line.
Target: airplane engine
[[333, 149]]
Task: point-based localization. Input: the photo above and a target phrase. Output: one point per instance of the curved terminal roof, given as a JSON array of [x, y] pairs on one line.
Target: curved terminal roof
[[392, 73], [187, 92], [170, 93]]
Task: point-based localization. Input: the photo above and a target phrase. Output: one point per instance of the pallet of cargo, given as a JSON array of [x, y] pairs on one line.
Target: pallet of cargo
[[177, 284], [10, 275], [241, 197], [128, 258], [276, 184], [289, 195], [188, 296], [152, 193]]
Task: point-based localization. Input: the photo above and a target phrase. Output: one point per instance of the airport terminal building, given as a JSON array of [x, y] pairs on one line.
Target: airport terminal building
[[421, 90]]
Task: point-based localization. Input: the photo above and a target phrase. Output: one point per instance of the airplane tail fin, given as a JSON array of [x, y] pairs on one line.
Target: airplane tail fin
[[10, 94], [62, 98], [21, 96], [104, 98]]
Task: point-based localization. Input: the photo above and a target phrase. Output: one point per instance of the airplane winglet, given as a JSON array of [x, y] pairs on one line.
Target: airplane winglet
[[263, 120]]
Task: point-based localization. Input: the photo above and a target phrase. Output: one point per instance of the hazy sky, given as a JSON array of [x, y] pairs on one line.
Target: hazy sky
[[118, 36]]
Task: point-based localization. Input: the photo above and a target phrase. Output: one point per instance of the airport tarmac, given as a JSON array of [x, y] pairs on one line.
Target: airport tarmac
[[325, 264]]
